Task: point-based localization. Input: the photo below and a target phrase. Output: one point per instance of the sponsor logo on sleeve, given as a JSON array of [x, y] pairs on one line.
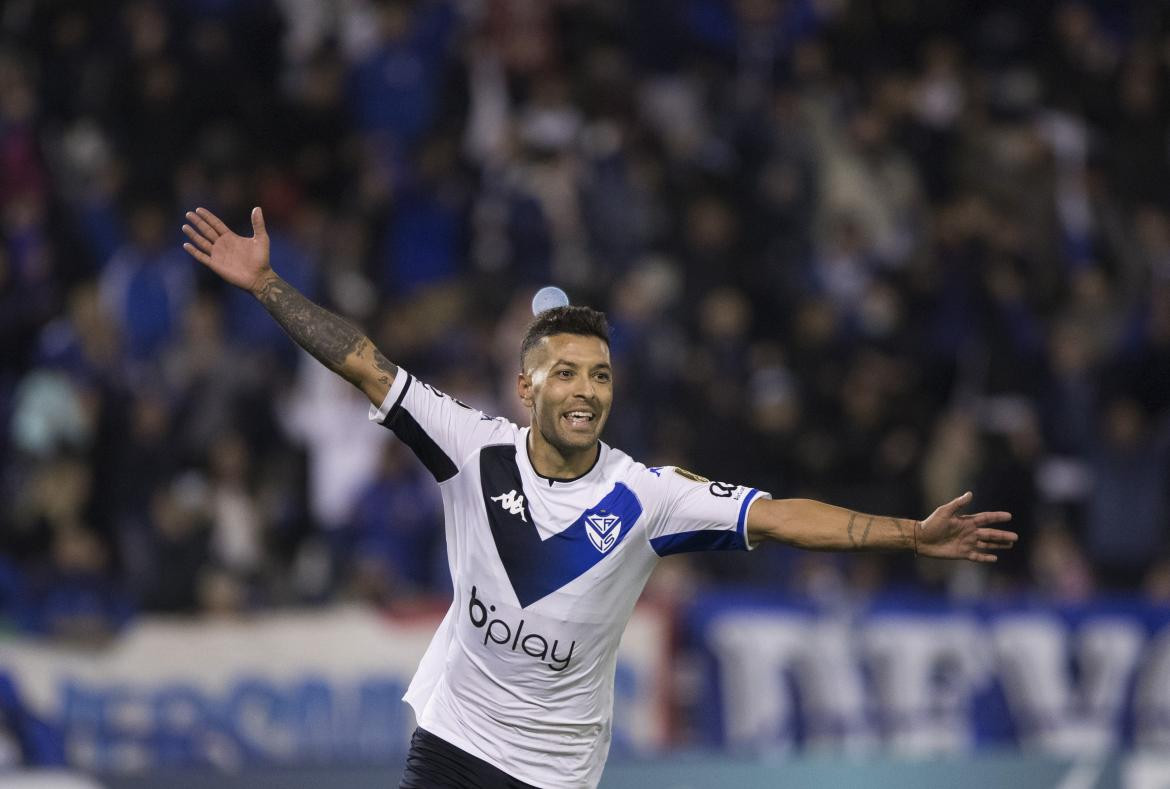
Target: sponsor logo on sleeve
[[722, 489], [441, 394]]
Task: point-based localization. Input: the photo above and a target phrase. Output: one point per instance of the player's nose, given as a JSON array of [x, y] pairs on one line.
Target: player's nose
[[585, 388]]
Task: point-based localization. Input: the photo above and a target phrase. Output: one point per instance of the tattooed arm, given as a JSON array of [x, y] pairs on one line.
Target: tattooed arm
[[331, 340], [946, 534]]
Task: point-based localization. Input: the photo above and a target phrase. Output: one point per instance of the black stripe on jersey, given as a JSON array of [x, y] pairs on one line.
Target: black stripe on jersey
[[500, 475], [411, 433], [398, 400]]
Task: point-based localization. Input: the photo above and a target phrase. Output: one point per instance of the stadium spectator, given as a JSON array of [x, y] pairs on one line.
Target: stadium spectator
[[393, 546], [75, 598]]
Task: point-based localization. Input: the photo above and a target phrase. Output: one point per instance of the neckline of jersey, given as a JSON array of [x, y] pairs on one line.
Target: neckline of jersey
[[602, 447]]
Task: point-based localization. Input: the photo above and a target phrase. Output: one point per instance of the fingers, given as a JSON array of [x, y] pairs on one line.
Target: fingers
[[258, 228], [986, 518], [992, 545], [995, 539], [208, 232], [997, 535], [202, 236], [957, 504], [213, 220], [962, 501], [982, 558], [197, 239], [199, 255]]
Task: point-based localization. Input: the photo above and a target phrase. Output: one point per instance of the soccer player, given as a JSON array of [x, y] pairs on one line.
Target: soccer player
[[551, 534]]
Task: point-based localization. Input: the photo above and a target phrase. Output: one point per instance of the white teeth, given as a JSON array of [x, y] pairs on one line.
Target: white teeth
[[579, 415]]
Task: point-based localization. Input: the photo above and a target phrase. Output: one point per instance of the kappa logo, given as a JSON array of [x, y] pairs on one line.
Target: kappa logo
[[603, 530], [512, 504]]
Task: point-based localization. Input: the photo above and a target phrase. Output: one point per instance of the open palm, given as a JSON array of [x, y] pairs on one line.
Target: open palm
[[946, 534], [241, 261]]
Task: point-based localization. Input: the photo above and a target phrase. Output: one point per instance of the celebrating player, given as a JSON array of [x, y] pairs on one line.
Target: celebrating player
[[551, 534]]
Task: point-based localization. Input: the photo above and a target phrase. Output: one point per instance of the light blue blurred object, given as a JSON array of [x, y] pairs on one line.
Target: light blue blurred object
[[547, 298], [48, 414]]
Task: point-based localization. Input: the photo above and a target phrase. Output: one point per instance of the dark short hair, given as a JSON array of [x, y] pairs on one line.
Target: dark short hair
[[570, 319]]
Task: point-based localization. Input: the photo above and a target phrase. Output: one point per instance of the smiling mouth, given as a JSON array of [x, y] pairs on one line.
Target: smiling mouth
[[579, 419]]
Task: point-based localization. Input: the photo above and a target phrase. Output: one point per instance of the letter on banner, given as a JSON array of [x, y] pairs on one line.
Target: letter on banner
[[1049, 712], [1152, 696], [755, 652], [907, 654]]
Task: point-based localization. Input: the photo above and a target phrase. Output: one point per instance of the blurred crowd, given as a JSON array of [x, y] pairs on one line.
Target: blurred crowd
[[875, 252]]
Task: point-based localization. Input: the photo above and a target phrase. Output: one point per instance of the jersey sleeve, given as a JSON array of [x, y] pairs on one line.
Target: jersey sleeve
[[442, 431], [692, 513]]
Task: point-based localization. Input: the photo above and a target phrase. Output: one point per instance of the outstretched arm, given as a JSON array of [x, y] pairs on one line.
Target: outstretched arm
[[946, 534], [331, 340]]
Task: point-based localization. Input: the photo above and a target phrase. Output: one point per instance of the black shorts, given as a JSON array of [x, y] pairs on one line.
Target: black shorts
[[434, 763]]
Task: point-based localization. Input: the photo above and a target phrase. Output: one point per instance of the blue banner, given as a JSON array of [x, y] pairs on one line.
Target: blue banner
[[287, 689], [919, 676]]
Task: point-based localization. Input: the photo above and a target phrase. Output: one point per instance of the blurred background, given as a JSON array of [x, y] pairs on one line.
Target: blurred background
[[874, 252]]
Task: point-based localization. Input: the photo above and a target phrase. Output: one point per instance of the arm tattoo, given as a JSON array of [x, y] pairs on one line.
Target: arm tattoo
[[386, 367], [859, 541], [891, 533], [898, 525], [327, 337]]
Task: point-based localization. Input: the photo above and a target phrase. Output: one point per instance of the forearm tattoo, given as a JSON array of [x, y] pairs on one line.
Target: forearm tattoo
[[860, 527], [898, 527], [386, 367], [327, 337], [858, 533]]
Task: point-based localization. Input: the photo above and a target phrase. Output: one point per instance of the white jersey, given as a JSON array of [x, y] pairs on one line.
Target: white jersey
[[546, 572]]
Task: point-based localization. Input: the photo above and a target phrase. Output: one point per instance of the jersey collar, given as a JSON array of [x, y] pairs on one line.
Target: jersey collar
[[554, 482]]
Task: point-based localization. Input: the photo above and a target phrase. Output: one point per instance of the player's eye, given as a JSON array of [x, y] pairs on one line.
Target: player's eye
[[603, 377], [565, 373]]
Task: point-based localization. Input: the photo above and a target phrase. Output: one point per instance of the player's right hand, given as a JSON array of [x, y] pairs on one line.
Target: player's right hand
[[241, 261], [948, 534]]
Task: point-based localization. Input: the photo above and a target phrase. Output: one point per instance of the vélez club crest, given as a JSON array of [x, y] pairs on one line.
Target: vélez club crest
[[603, 529]]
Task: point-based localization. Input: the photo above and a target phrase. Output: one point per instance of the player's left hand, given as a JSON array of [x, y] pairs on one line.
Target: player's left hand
[[948, 535]]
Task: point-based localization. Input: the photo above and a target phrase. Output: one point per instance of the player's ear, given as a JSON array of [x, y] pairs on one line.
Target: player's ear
[[524, 389]]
